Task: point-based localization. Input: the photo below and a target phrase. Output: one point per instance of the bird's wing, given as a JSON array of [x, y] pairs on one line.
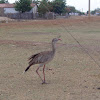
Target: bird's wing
[[33, 56], [41, 57]]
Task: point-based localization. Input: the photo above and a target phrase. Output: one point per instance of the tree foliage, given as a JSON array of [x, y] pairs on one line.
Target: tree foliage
[[35, 1], [23, 5], [3, 1], [59, 6], [70, 9], [43, 7], [96, 10]]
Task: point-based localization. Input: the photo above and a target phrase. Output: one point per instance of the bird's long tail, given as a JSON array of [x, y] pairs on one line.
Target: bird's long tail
[[31, 62], [27, 68]]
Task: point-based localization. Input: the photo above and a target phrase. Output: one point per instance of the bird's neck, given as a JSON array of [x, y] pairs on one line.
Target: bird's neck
[[53, 47]]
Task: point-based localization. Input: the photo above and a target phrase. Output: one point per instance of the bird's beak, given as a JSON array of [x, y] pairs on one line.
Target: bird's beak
[[60, 39]]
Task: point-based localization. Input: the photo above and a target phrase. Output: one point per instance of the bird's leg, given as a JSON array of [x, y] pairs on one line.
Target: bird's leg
[[39, 74], [44, 74]]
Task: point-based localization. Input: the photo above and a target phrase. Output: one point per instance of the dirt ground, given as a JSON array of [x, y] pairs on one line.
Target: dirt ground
[[71, 75], [5, 20]]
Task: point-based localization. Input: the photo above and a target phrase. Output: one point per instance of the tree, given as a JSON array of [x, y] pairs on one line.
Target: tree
[[93, 12], [43, 7], [35, 1], [70, 9], [23, 5], [3, 1], [59, 6], [96, 10]]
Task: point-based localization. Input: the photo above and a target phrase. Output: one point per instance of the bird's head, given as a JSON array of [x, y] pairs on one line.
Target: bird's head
[[55, 40]]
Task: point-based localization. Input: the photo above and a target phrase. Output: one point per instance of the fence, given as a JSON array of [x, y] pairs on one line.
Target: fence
[[22, 15], [48, 15]]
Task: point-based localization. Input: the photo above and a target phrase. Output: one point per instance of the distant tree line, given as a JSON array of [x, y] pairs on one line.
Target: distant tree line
[[56, 6], [96, 10]]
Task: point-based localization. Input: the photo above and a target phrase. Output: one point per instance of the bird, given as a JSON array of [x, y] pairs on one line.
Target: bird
[[42, 59]]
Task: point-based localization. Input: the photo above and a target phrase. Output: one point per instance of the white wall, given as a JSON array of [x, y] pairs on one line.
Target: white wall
[[10, 10], [75, 14], [34, 10]]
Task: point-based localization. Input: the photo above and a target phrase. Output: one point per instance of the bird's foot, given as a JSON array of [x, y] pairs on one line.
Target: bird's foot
[[44, 82]]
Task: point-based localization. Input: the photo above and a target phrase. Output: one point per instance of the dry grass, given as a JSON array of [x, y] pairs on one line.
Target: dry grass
[[74, 75]]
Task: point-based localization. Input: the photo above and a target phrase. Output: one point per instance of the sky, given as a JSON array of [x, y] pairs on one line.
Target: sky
[[81, 5]]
